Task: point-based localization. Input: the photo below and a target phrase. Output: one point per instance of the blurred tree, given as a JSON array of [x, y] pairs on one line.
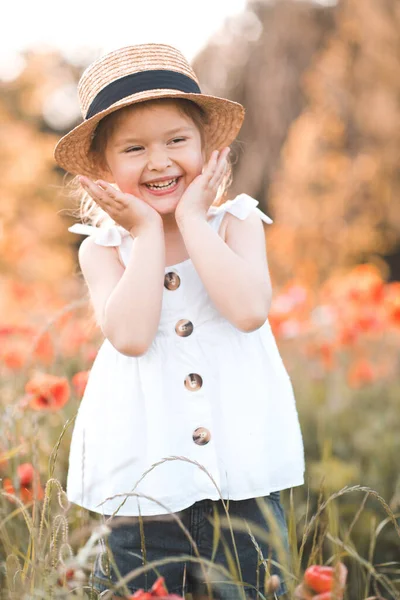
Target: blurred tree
[[32, 235], [258, 59], [321, 139], [335, 193], [319, 146]]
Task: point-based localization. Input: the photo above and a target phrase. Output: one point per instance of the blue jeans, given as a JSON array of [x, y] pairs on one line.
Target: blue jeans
[[133, 544]]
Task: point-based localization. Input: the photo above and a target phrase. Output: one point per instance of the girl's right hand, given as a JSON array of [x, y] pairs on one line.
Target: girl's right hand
[[126, 210]]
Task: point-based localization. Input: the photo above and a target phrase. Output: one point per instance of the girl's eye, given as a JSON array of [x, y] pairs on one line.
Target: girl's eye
[[133, 149], [136, 148]]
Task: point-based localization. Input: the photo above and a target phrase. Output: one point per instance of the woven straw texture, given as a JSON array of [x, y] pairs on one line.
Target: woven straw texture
[[224, 117]]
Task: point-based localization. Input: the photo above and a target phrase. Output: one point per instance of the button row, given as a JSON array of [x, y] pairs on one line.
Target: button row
[[193, 382]]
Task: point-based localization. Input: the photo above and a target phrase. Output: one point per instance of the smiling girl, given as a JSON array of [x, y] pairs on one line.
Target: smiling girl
[[188, 409]]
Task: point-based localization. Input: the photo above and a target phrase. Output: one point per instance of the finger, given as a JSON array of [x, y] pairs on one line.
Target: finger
[[96, 192], [219, 174], [116, 199], [222, 161], [89, 186], [107, 189], [211, 166]]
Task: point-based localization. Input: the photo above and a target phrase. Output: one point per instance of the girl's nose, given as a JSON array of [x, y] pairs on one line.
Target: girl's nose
[[158, 160]]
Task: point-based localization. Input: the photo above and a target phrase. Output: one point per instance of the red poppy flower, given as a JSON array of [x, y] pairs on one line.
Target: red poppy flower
[[28, 483], [158, 590], [27, 478], [8, 486], [365, 284], [79, 381], [26, 473], [15, 352], [319, 579], [321, 583], [13, 359], [47, 392], [360, 373], [44, 349], [392, 303], [70, 577], [348, 334]]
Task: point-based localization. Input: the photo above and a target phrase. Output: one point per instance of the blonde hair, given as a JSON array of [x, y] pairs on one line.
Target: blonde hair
[[87, 210]]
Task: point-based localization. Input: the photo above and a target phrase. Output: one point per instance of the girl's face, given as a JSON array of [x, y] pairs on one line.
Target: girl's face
[[154, 153]]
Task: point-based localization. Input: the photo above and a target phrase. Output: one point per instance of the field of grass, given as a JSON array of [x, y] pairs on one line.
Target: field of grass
[[341, 349]]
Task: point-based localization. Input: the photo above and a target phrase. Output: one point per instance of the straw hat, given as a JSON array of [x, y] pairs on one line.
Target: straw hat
[[134, 74]]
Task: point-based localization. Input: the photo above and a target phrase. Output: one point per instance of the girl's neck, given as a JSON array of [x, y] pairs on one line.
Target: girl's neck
[[175, 249], [169, 224]]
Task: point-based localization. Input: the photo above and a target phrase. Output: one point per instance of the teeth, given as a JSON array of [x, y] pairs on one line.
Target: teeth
[[160, 186]]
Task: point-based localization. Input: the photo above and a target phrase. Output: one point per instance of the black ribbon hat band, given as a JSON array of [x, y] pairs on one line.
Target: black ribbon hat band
[[141, 82]]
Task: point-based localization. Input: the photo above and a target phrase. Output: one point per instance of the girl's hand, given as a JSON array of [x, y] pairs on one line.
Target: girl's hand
[[126, 210], [200, 194]]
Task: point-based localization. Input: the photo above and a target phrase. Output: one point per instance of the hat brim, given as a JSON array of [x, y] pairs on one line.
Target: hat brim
[[224, 120]]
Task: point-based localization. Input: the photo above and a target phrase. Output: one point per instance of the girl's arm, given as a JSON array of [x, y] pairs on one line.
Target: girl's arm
[[128, 301], [235, 273]]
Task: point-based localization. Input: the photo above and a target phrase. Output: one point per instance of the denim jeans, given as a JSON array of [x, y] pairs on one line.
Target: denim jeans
[[133, 544]]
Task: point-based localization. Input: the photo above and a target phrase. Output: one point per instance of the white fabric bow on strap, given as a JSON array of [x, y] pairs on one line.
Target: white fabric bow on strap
[[112, 236], [103, 236], [240, 207]]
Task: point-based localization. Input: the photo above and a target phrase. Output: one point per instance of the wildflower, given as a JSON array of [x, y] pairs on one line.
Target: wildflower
[[348, 334], [8, 486], [392, 303], [365, 284], [289, 314], [320, 579], [25, 474], [47, 392], [79, 381], [44, 349], [27, 483], [13, 359], [322, 583], [158, 590], [323, 351], [69, 577], [360, 373], [91, 354], [16, 351]]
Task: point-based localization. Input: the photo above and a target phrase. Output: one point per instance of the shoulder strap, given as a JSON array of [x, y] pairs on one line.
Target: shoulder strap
[[103, 236], [240, 207]]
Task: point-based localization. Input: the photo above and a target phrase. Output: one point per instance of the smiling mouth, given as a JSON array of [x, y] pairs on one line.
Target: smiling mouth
[[165, 185], [163, 188]]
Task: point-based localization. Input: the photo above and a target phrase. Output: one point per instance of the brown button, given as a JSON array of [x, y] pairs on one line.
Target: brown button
[[172, 281], [193, 382], [201, 436], [184, 327]]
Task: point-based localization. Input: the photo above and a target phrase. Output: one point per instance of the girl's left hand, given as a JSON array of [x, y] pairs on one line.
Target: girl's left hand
[[201, 193]]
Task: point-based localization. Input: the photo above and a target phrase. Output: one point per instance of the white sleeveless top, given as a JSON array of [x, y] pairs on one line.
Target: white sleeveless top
[[204, 391]]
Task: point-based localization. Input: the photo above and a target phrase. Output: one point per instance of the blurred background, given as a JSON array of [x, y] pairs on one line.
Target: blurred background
[[319, 150]]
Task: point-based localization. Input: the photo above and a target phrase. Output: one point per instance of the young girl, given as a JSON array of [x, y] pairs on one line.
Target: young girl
[[188, 402]]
